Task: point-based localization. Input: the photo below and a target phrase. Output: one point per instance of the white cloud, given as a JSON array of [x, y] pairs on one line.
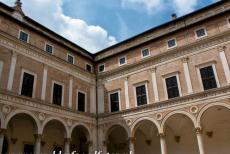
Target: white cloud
[[181, 7], [50, 14]]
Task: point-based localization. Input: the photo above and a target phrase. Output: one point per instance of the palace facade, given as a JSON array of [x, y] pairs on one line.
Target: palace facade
[[164, 91]]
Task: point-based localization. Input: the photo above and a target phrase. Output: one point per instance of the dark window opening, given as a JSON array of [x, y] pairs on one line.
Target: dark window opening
[[57, 150], [27, 85], [70, 59], [101, 68], [200, 32], [145, 52], [23, 36], [49, 48], [208, 78], [114, 102], [122, 60], [171, 43], [28, 149], [81, 102], [57, 94], [172, 87], [88, 68], [141, 95]]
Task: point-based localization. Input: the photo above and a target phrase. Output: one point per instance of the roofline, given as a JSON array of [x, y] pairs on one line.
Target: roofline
[[160, 26]]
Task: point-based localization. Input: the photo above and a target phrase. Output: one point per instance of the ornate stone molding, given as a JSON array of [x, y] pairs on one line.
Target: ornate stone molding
[[198, 130]]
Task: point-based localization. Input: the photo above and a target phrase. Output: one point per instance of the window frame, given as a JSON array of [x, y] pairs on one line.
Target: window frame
[[200, 66], [28, 38], [195, 31], [90, 66], [21, 80], [67, 58], [49, 45], [145, 83], [178, 84], [99, 68], [120, 59], [172, 46], [63, 91], [85, 93], [142, 56], [119, 98]]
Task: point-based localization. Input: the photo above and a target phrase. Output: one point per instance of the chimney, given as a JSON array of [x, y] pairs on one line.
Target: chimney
[[18, 6], [174, 16]]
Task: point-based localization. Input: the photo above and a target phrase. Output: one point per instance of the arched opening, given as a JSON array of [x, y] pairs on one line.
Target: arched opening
[[146, 139], [53, 139], [20, 133], [215, 123], [80, 140], [117, 140], [5, 146], [180, 135]]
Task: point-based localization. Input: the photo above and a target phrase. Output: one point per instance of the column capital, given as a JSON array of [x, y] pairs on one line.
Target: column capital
[[162, 135], [131, 139], [198, 130], [221, 48], [126, 78], [14, 53], [153, 69], [185, 59]]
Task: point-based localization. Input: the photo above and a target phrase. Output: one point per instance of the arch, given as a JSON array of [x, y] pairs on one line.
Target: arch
[[12, 114], [89, 135], [205, 108], [67, 132], [110, 128], [191, 117], [139, 120]]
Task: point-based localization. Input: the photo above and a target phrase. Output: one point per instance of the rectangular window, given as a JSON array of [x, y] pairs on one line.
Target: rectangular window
[[145, 53], [122, 61], [81, 102], [201, 33], [23, 36], [208, 78], [49, 48], [141, 95], [172, 87], [101, 68], [88, 68], [27, 85], [70, 59], [114, 102], [57, 94], [172, 43]]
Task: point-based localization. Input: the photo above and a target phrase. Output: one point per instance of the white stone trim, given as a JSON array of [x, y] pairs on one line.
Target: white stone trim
[[63, 90], [12, 70], [146, 89], [44, 83], [1, 69], [178, 83], [119, 98], [100, 98], [198, 67], [126, 86], [28, 39], [99, 68], [187, 77], [34, 84], [225, 65], [68, 54], [85, 93], [154, 84], [46, 43], [70, 92], [93, 99], [147, 55], [172, 46], [119, 64], [206, 34]]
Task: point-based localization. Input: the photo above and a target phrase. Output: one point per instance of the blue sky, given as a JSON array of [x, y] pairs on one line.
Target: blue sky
[[97, 24]]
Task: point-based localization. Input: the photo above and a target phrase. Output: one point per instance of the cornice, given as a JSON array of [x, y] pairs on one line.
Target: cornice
[[29, 51], [166, 57]]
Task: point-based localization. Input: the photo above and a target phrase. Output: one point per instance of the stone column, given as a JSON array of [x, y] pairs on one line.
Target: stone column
[[12, 70], [44, 81], [126, 85], [224, 62], [100, 98], [200, 140], [67, 145], [93, 99], [154, 82], [163, 143], [70, 92], [2, 134], [131, 145], [38, 138], [187, 75]]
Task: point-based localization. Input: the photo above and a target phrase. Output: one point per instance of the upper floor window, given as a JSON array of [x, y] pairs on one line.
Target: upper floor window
[[49, 48], [172, 87], [81, 101], [57, 94], [201, 33], [172, 43], [114, 102], [208, 78], [122, 61], [70, 59], [27, 85], [88, 67], [23, 36], [141, 95], [145, 53], [101, 68]]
